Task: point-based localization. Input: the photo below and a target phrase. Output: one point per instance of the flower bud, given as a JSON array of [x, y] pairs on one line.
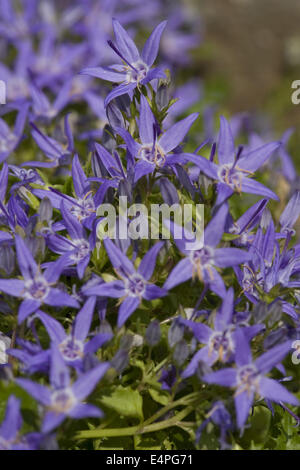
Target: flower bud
[[181, 352], [162, 96], [7, 259], [120, 360], [45, 210], [153, 333], [114, 116], [175, 333]]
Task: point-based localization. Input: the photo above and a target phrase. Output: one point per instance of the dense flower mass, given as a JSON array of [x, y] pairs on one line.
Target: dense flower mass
[[97, 335]]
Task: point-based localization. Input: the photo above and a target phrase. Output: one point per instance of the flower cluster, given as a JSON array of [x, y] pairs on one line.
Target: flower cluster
[[150, 332]]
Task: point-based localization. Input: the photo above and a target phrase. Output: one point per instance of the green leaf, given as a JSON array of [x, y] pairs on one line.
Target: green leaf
[[125, 401], [258, 432], [159, 396]]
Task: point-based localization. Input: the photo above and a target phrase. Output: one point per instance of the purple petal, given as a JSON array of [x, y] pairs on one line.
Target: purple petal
[[132, 145], [173, 136], [117, 258], [21, 120], [291, 212], [226, 149], [73, 226], [37, 391], [114, 289], [214, 230], [52, 420], [152, 75], [181, 273], [224, 316], [224, 192], [256, 158], [142, 168], [27, 307], [55, 198], [254, 187], [150, 49], [216, 284], [79, 179], [243, 402], [248, 219], [225, 257], [12, 287], [3, 181], [119, 91], [26, 261], [201, 331], [59, 372], [208, 168], [225, 377], [84, 319], [58, 298], [154, 292], [85, 411], [107, 159], [54, 270], [12, 421], [127, 307], [49, 146], [243, 354], [147, 122], [288, 167], [124, 43], [147, 264], [274, 391], [97, 342], [82, 265], [53, 327], [68, 132], [88, 381], [105, 73], [203, 355], [273, 357]]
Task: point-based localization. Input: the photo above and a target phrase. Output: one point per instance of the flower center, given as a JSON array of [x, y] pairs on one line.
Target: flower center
[[153, 154], [81, 251], [232, 176], [250, 280], [7, 142], [26, 174], [37, 288], [4, 445], [135, 285], [247, 378], [202, 260], [17, 88], [222, 344], [140, 72], [62, 400], [71, 349], [84, 208]]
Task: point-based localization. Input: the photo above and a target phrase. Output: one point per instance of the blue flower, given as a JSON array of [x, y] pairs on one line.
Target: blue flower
[[136, 69]]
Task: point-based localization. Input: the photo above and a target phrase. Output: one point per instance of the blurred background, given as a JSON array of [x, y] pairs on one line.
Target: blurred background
[[250, 56], [230, 56]]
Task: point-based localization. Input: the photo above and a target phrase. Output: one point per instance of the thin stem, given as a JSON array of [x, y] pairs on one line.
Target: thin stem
[[134, 430], [173, 404]]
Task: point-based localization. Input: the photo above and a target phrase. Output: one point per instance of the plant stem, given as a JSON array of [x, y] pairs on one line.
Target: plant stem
[[134, 430], [172, 404]]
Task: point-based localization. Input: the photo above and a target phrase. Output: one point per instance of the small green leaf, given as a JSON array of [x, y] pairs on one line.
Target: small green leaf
[[126, 402], [159, 396]]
